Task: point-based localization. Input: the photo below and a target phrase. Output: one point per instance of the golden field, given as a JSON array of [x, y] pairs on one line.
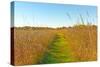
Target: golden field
[[32, 43]]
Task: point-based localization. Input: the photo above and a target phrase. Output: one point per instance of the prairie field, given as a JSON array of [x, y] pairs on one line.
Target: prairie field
[[43, 45]]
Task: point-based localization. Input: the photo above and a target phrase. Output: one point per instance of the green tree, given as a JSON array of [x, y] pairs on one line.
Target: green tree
[[58, 51]]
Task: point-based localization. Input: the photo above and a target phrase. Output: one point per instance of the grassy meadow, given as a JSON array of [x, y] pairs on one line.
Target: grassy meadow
[[44, 45], [47, 33]]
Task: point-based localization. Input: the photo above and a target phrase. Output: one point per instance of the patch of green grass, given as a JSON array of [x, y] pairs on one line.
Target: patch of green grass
[[58, 51]]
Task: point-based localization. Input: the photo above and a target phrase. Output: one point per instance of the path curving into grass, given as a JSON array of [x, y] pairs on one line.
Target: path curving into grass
[[58, 51]]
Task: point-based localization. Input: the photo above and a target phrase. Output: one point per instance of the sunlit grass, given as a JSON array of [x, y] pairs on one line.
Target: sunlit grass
[[78, 43]]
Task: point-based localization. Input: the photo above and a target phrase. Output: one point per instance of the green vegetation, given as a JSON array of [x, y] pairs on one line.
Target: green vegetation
[[58, 51]]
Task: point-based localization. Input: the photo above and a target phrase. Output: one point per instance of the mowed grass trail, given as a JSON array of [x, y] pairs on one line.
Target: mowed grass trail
[[58, 51]]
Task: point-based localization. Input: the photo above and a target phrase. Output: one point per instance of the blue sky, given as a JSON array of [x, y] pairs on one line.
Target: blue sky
[[52, 15]]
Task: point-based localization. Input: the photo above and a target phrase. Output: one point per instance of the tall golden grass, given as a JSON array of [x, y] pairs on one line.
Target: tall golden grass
[[31, 43]]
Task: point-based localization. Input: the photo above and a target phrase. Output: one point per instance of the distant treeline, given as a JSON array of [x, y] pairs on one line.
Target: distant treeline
[[35, 28]]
